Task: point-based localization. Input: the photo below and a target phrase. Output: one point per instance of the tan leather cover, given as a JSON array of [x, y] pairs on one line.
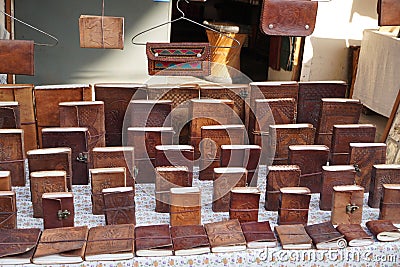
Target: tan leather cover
[[382, 174], [353, 232], [388, 12], [225, 233], [189, 236], [5, 181], [294, 204], [119, 205], [153, 237], [10, 117], [52, 204], [294, 234], [244, 204], [17, 57], [20, 243], [325, 233], [344, 198], [101, 32], [12, 157], [390, 203], [149, 113], [378, 227], [185, 208], [257, 231], [8, 210]]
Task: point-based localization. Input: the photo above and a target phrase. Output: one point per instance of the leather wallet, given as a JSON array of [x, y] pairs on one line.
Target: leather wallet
[[17, 57]]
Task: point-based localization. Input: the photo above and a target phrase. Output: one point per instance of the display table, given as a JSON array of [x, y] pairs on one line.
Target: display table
[[378, 75], [377, 254]]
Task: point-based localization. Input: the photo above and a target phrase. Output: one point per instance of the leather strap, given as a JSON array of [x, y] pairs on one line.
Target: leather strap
[[119, 208]]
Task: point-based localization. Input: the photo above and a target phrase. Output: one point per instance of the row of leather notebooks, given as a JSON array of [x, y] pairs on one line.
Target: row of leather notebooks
[[120, 242]]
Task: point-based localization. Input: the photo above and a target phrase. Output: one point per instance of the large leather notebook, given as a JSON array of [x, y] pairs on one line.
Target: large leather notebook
[[363, 156], [343, 135], [12, 157], [18, 245], [149, 113], [45, 182], [17, 57], [294, 205], [382, 174], [110, 242], [383, 230], [103, 178], [153, 240], [355, 235], [116, 98], [61, 245], [279, 176], [5, 181], [76, 138], [244, 204], [293, 236], [226, 178], [325, 236], [185, 208], [333, 176], [189, 240], [8, 208], [48, 159], [119, 205], [225, 236], [58, 209], [175, 155], [347, 204], [10, 115], [390, 203], [258, 234], [23, 94]]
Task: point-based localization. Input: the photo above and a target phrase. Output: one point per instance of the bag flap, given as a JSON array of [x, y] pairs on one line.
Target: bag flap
[[178, 52]]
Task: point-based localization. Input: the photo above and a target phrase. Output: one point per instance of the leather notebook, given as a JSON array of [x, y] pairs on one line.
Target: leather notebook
[[294, 204], [153, 240], [244, 204], [355, 235], [383, 230], [58, 209], [185, 208], [347, 204], [258, 234], [149, 113], [17, 57], [12, 157], [390, 203], [8, 210], [119, 205], [189, 240], [175, 155], [325, 236], [382, 174], [225, 236], [293, 236], [5, 181], [10, 115], [388, 13]]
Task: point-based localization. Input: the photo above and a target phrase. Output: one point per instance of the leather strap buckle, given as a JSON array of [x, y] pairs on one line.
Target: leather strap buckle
[[82, 157], [63, 214], [351, 208]]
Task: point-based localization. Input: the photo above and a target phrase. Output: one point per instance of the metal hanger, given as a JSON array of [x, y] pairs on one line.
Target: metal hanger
[[34, 28], [192, 21]]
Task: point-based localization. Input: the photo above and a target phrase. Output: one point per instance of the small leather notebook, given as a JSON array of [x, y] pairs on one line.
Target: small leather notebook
[[189, 240], [5, 181], [347, 204], [355, 235], [58, 209], [383, 230], [225, 236], [293, 236], [119, 205], [185, 208], [258, 234], [8, 208], [244, 204], [153, 240], [294, 204], [325, 236], [390, 203], [382, 174], [12, 157]]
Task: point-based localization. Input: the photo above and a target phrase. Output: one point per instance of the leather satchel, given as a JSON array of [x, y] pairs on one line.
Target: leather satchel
[[288, 17], [179, 59], [17, 57]]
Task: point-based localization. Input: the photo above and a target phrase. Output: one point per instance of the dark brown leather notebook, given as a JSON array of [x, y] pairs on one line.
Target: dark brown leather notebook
[[119, 205], [153, 240], [185, 208], [12, 157], [58, 209], [5, 181], [8, 210], [149, 113], [189, 240], [347, 204], [10, 117], [294, 204], [355, 235], [258, 234], [293, 236], [244, 204], [225, 236], [175, 155], [390, 203], [383, 230], [382, 174], [17, 57], [325, 236]]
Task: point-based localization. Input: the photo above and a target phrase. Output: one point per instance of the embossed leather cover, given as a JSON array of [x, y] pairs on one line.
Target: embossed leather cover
[[149, 113], [5, 181], [10, 115], [293, 236], [388, 12], [12, 157], [75, 138], [101, 32], [48, 159], [310, 95], [8, 210], [116, 98], [66, 245], [258, 234], [17, 57], [382, 174], [175, 155], [355, 235], [364, 156], [23, 94], [119, 205], [180, 59], [52, 204], [347, 204], [110, 242], [333, 176], [383, 230], [310, 159], [185, 208], [325, 236], [225, 235], [335, 111], [244, 204], [343, 135], [279, 176], [153, 240], [294, 204], [166, 178], [390, 203], [189, 240], [103, 178], [224, 180]]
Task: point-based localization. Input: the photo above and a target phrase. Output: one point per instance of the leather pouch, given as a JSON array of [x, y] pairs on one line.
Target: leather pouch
[[17, 57]]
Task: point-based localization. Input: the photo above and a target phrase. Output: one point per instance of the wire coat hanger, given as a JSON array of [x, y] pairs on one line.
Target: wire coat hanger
[[34, 28], [183, 17]]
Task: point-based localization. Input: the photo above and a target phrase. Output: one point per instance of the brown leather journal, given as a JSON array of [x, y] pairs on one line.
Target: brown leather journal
[[64, 245], [390, 203], [293, 236], [175, 155], [45, 182], [355, 235], [383, 230], [294, 204], [103, 178], [258, 234], [10, 117], [224, 180], [12, 156], [347, 204], [325, 236], [388, 12], [119, 205], [363, 156], [5, 181], [17, 57], [49, 159], [153, 240], [18, 245], [23, 94], [58, 209], [116, 98], [279, 176], [333, 176], [149, 113], [101, 32], [8, 210], [225, 236], [244, 204], [382, 174], [116, 156], [189, 240], [76, 138], [310, 159], [110, 242], [166, 178], [185, 206]]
